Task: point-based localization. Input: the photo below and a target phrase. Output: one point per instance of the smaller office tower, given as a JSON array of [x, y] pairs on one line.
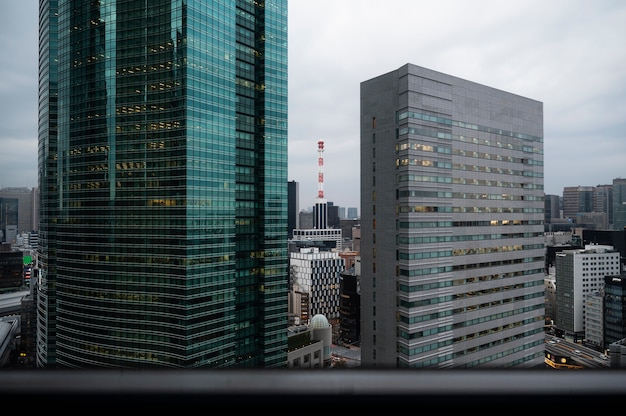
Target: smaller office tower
[[11, 268], [580, 273], [577, 199], [593, 320], [27, 218], [350, 299], [551, 209], [604, 202], [614, 308], [316, 273], [8, 220], [619, 204]]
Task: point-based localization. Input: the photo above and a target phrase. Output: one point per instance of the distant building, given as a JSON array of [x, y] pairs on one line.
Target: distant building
[[619, 204], [28, 331], [593, 220], [309, 345], [306, 220], [617, 354], [9, 220], [11, 268], [594, 317], [580, 273], [293, 206], [550, 295], [353, 213], [614, 308], [350, 300], [577, 199], [614, 238], [551, 209], [332, 235], [28, 207], [347, 226], [316, 273], [604, 202]]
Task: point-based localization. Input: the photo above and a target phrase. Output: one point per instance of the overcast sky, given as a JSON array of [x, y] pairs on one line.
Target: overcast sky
[[568, 54]]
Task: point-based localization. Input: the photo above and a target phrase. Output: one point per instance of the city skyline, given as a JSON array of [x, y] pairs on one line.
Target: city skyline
[[566, 54]]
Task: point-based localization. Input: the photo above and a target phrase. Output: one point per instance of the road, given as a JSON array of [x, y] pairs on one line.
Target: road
[[587, 357]]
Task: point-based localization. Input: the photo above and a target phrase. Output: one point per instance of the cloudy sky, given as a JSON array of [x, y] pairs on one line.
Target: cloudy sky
[[568, 54]]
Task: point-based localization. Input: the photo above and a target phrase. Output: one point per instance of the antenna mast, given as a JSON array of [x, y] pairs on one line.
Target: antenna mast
[[320, 175]]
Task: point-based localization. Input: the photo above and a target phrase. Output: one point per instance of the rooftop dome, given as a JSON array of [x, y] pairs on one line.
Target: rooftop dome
[[319, 321]]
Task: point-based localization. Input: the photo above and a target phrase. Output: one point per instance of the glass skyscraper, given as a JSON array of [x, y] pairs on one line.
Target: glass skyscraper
[[163, 180], [452, 212]]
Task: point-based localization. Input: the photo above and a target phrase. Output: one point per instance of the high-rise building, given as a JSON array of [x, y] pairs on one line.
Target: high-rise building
[[614, 317], [551, 208], [8, 220], [604, 202], [578, 199], [452, 250], [164, 188], [619, 204], [27, 209]]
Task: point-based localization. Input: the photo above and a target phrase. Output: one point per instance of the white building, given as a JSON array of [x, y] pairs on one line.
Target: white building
[[311, 344], [319, 234], [317, 273], [580, 273]]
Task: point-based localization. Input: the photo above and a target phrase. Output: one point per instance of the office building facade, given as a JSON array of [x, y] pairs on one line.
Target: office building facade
[[9, 220], [551, 209], [293, 219], [27, 207], [452, 212], [579, 274], [164, 188], [614, 317], [604, 202], [619, 204], [316, 273], [578, 199]]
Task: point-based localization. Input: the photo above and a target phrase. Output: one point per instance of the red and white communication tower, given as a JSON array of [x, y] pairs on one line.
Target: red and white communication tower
[[320, 175], [320, 211]]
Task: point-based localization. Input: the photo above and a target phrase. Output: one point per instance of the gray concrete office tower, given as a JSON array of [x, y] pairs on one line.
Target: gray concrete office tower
[[451, 223]]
